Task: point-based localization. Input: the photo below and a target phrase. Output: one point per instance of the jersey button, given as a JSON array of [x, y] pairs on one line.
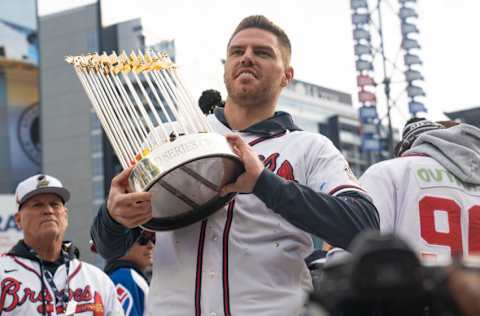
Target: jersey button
[[213, 314], [211, 275]]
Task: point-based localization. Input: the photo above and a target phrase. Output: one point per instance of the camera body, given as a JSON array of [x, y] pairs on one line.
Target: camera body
[[382, 276]]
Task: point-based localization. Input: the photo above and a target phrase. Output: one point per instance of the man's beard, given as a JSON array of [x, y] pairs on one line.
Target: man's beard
[[248, 97]]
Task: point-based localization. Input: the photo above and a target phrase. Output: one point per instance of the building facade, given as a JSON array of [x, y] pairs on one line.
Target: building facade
[[167, 46], [470, 116], [329, 112], [20, 143], [71, 134], [20, 150]]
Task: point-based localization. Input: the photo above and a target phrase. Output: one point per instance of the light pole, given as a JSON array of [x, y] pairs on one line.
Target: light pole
[[367, 48]]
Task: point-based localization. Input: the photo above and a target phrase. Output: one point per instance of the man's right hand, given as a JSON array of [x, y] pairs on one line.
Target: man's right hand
[[128, 208]]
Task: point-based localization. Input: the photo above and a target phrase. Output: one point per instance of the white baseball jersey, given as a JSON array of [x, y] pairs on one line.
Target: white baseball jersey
[[425, 204], [91, 292], [246, 259]]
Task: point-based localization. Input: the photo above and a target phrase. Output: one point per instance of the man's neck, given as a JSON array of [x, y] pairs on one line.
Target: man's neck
[[242, 117], [47, 250]]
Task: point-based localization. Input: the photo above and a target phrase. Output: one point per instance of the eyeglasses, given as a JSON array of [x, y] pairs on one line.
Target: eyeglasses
[[145, 237]]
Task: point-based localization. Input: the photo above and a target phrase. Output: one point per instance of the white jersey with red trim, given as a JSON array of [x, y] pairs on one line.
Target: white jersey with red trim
[[425, 204], [91, 292], [246, 259]]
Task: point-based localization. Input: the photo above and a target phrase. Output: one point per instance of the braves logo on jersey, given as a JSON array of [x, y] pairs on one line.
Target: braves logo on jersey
[[125, 298], [285, 170], [13, 296]]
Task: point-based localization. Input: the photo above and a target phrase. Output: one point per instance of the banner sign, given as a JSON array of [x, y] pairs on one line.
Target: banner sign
[[9, 232]]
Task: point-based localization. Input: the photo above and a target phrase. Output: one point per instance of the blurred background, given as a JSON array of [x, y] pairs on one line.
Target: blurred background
[[362, 68]]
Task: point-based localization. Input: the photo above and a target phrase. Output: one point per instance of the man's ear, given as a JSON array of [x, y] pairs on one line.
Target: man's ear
[[288, 76], [18, 220]]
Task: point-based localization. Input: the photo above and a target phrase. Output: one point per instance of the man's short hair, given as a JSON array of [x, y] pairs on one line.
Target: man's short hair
[[261, 22]]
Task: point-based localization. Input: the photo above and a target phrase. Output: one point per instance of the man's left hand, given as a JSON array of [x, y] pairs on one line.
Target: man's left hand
[[253, 167]]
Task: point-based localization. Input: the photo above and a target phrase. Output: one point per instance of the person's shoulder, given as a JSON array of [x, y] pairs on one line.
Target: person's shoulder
[[92, 269], [5, 256], [308, 135], [415, 158], [6, 259], [388, 163], [310, 138], [407, 160], [398, 165], [121, 273], [385, 165], [14, 259], [122, 270], [139, 280], [135, 274]]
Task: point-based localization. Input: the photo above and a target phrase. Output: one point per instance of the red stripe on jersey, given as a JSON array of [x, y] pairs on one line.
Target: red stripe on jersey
[[414, 155], [74, 273], [26, 267], [226, 234], [198, 279], [345, 186], [261, 139]]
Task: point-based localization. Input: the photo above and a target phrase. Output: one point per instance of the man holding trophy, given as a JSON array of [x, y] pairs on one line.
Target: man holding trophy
[[247, 258]]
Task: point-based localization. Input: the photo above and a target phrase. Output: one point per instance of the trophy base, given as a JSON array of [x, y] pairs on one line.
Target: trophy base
[[185, 177]]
